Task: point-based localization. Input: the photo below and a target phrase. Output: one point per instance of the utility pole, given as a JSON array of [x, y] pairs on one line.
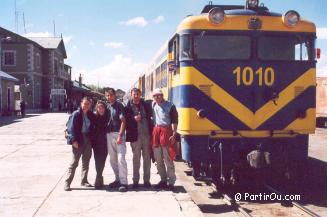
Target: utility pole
[[54, 28], [24, 23]]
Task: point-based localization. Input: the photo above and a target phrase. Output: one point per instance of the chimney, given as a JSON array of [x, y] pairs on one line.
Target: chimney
[[80, 80]]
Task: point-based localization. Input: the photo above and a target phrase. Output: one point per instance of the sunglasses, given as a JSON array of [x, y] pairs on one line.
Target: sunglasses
[[156, 96]]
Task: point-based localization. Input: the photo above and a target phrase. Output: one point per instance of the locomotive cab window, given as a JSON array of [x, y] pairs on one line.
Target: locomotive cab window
[[186, 47], [289, 48]]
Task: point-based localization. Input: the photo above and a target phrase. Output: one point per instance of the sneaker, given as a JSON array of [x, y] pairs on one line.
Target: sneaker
[[135, 184], [123, 188], [147, 184], [67, 187], [86, 184], [114, 184], [171, 187], [161, 185]]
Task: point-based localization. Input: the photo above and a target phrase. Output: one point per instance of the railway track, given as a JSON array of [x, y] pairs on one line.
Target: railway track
[[266, 208]]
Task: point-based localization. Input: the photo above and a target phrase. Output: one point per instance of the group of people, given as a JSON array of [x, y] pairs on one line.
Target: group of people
[[150, 127]]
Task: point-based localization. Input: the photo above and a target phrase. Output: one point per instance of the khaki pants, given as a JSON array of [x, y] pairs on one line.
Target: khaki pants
[[163, 160], [117, 157], [141, 146], [86, 152]]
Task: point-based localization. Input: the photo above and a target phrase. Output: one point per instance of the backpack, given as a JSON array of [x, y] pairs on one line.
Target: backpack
[[67, 132]]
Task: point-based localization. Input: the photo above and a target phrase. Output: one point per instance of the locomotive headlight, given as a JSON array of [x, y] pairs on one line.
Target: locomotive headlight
[[291, 18], [216, 15]]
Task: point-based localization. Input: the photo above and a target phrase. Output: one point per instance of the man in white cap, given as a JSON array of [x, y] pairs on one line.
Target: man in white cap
[[164, 136]]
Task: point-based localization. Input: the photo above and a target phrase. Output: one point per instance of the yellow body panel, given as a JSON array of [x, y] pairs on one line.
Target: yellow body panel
[[191, 76], [306, 125], [240, 22], [189, 121]]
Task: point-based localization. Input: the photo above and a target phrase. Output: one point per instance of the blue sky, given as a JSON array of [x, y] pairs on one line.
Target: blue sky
[[110, 42]]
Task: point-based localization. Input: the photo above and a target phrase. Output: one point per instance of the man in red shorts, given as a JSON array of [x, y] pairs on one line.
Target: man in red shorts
[[165, 118]]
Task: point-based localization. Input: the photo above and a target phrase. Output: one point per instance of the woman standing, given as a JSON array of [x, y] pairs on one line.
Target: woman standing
[[81, 138], [100, 143]]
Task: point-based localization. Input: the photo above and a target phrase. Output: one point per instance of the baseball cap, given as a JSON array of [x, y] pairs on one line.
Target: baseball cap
[[157, 91]]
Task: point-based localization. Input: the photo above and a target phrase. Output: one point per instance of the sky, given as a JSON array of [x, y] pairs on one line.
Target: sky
[[111, 42]]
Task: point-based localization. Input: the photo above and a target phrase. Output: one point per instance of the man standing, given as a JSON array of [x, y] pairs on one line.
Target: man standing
[[164, 136], [81, 135], [138, 129], [116, 141], [22, 108]]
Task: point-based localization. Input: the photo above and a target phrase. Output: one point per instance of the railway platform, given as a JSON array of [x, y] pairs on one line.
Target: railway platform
[[33, 160]]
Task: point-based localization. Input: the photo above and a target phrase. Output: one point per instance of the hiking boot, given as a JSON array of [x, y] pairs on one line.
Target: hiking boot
[[147, 184], [67, 187], [114, 184], [135, 184], [123, 188], [161, 185]]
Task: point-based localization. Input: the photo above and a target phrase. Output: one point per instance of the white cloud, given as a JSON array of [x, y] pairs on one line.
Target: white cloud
[[121, 73], [113, 44], [92, 43], [136, 21], [322, 66], [159, 19], [67, 39], [60, 15], [322, 33]]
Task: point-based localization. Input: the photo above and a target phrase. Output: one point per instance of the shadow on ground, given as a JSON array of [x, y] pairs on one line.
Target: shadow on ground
[[6, 120]]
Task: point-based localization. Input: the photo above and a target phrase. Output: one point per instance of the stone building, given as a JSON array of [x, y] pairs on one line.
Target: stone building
[[39, 65]]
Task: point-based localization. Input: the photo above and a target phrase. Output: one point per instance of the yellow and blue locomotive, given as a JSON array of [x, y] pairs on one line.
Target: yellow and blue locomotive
[[243, 80]]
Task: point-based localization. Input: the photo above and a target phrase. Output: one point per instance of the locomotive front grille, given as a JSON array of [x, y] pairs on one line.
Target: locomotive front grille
[[206, 89]]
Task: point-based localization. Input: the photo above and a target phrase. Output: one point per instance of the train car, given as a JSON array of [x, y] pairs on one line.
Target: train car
[[243, 80], [321, 102]]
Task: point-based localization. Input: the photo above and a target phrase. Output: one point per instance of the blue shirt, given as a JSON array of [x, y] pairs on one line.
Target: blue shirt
[[161, 113], [86, 124], [116, 111]]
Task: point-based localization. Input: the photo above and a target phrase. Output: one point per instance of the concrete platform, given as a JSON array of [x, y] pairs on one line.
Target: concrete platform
[[33, 161]]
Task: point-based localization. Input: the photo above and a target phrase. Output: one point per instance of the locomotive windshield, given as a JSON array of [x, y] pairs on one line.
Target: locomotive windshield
[[290, 48], [295, 47]]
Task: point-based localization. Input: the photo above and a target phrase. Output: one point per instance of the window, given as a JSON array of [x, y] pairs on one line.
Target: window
[[9, 58], [38, 60], [164, 74], [158, 78], [221, 47], [56, 66], [291, 48], [186, 47]]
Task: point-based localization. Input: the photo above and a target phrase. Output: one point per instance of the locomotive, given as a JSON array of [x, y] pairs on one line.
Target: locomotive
[[243, 80]]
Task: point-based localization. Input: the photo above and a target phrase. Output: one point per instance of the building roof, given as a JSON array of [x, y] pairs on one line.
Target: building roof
[[42, 42], [50, 43], [47, 42], [81, 88], [8, 77]]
